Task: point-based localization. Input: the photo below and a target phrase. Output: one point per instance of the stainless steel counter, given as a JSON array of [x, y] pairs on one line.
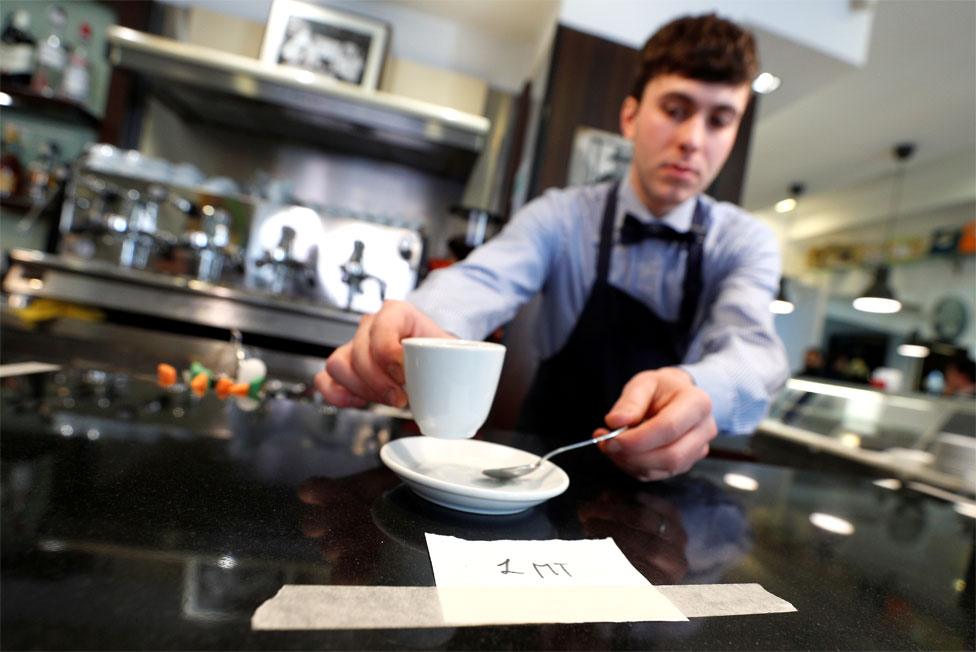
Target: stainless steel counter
[[107, 286], [895, 435]]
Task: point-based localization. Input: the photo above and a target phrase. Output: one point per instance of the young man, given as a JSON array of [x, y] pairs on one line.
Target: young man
[[655, 298]]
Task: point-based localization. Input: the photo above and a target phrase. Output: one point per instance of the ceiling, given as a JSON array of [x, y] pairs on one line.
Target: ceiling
[[918, 85], [831, 125], [509, 19]]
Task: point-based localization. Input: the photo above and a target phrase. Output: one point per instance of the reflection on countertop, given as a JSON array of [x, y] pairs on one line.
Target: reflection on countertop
[[913, 436], [169, 537]]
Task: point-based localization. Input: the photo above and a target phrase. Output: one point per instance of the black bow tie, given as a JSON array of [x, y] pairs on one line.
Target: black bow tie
[[634, 231]]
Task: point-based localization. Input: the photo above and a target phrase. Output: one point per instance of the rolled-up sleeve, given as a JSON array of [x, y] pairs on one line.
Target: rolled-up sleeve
[[736, 356], [477, 295]]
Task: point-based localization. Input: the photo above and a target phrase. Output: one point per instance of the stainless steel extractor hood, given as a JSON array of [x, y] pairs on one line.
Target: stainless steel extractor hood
[[218, 87]]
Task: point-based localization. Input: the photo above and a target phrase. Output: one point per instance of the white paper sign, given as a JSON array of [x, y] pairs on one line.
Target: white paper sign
[[542, 582], [507, 563]]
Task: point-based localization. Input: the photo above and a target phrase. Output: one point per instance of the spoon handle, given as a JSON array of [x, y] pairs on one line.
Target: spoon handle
[[585, 442]]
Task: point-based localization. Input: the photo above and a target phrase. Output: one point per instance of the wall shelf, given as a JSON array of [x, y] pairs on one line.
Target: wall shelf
[[16, 204], [215, 87], [56, 108]]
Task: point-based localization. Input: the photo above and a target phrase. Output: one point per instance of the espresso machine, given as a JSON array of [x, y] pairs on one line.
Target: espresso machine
[[148, 237]]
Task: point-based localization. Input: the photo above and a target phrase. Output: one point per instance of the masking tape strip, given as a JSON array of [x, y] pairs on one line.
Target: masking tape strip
[[303, 607], [703, 600]]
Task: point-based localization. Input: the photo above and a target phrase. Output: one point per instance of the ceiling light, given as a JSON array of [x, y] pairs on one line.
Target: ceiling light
[[879, 297], [877, 305], [850, 440], [913, 347], [913, 351], [780, 307], [891, 484], [6, 100], [304, 76], [739, 481], [832, 523], [785, 205], [226, 562], [766, 83], [790, 203]]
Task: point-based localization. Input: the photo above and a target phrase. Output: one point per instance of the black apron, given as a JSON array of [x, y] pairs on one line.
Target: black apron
[[615, 338]]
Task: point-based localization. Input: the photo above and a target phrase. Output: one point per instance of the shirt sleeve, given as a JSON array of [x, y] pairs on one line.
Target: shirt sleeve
[[739, 360], [473, 297]]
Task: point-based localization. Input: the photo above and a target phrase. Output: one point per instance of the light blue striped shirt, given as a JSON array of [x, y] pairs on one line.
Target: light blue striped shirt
[[551, 245]]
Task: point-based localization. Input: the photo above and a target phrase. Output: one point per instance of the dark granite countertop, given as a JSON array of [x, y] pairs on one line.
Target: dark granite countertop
[[138, 519]]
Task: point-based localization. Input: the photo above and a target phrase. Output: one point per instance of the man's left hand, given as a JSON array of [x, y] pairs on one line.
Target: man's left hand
[[672, 425]]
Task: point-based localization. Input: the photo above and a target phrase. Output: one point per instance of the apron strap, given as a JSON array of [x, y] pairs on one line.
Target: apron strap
[[606, 234], [692, 290]]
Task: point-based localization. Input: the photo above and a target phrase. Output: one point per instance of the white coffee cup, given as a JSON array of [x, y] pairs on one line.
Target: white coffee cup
[[451, 383]]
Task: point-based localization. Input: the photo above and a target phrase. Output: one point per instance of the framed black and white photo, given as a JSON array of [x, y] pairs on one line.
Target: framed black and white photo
[[332, 43]]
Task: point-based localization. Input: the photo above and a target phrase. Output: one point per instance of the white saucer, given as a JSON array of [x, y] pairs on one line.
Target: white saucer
[[448, 472]]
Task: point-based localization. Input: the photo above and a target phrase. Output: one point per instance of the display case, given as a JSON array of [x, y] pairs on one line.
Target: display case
[[911, 437]]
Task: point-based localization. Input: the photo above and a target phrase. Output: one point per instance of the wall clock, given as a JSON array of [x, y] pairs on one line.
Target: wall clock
[[949, 318]]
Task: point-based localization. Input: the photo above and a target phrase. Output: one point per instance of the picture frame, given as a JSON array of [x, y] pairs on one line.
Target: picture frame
[[334, 44]]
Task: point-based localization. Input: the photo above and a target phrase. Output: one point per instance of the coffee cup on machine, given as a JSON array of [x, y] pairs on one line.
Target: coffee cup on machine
[[451, 383]]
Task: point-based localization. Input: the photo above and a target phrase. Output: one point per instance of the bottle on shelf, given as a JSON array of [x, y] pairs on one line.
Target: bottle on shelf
[[76, 83], [17, 49], [11, 170], [52, 55], [42, 172]]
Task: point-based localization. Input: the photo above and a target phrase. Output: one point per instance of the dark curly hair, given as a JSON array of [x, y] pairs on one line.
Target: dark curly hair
[[706, 48]]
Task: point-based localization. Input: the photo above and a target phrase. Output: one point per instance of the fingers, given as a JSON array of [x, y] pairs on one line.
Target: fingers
[[369, 370], [370, 366], [394, 323], [671, 421], [672, 459], [635, 400], [647, 393], [339, 368], [683, 412], [334, 392], [384, 340]]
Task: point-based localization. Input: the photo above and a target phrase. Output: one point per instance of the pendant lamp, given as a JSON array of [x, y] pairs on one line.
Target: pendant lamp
[[913, 347], [781, 305], [879, 297]]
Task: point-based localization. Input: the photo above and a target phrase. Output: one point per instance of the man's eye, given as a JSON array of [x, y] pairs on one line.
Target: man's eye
[[721, 120], [676, 112]]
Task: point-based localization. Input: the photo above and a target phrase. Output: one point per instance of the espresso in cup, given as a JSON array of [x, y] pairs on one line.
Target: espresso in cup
[[451, 383]]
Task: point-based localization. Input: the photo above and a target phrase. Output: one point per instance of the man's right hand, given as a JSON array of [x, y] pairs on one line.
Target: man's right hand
[[369, 368]]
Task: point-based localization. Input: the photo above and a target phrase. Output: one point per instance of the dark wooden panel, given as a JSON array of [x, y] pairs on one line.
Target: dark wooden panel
[[589, 77], [126, 94], [728, 185], [519, 129]]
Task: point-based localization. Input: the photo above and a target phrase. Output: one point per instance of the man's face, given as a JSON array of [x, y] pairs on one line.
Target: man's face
[[683, 131]]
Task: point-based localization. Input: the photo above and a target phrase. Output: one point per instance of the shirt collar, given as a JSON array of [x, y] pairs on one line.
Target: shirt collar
[[678, 218]]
